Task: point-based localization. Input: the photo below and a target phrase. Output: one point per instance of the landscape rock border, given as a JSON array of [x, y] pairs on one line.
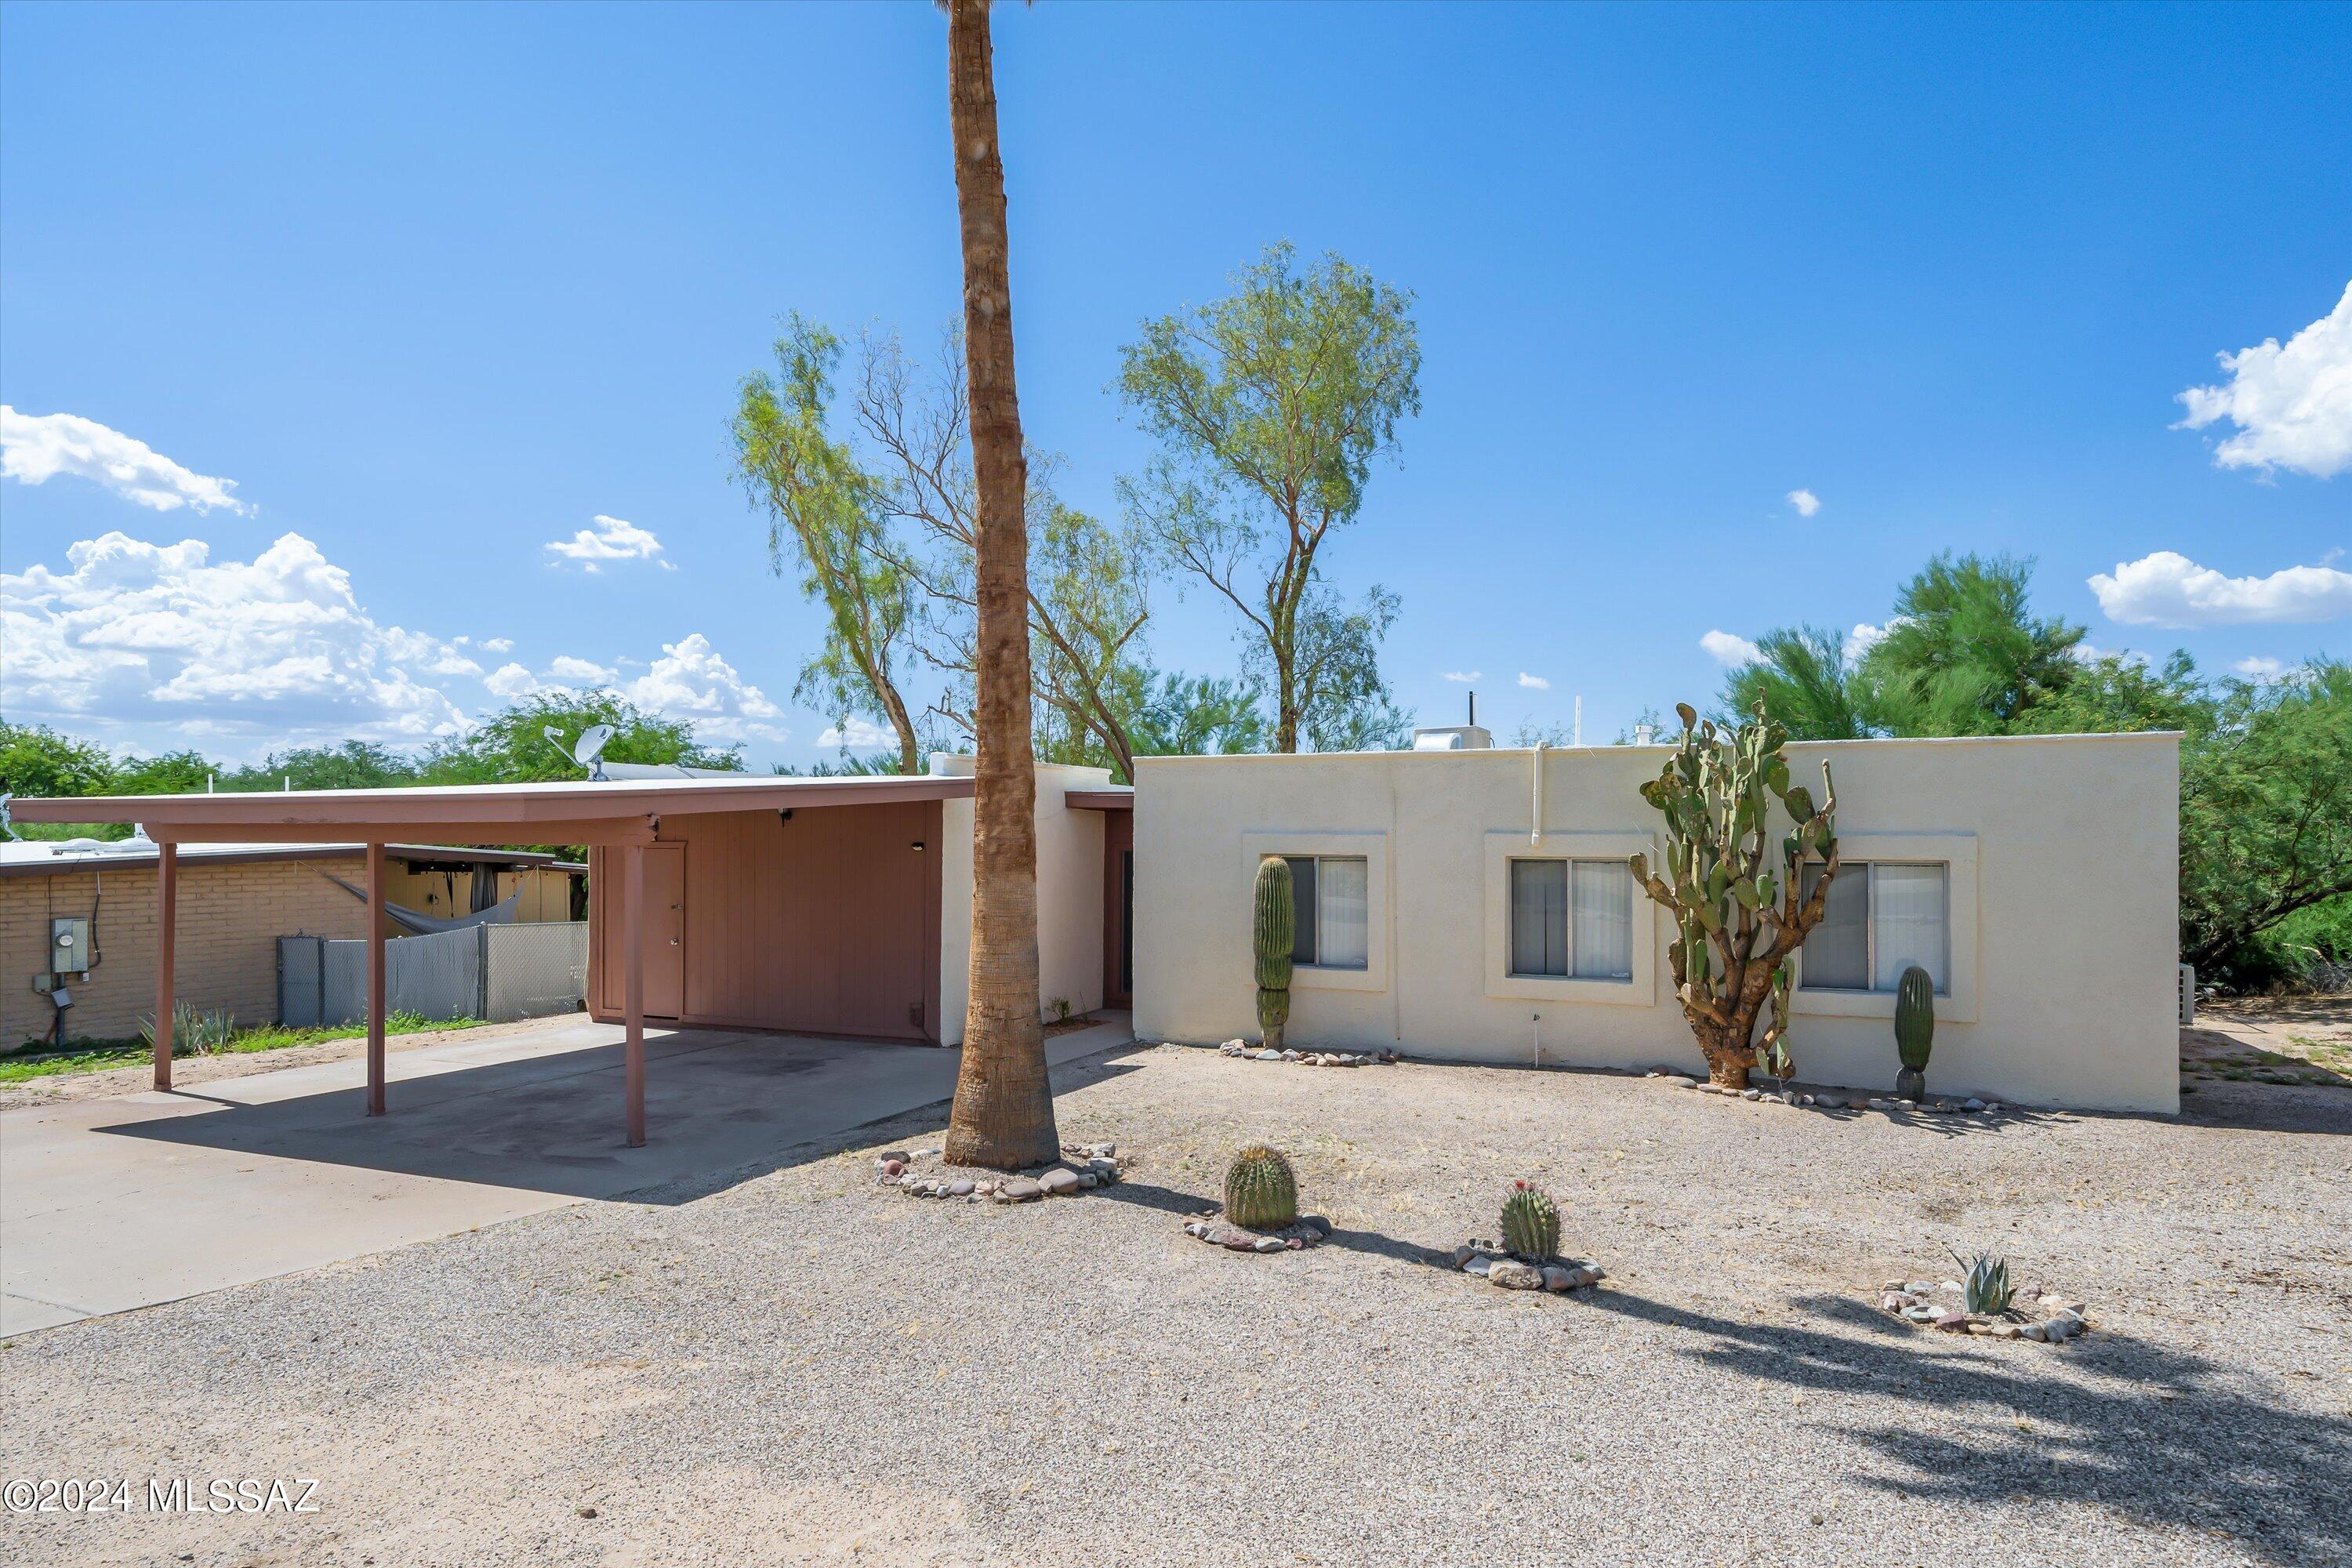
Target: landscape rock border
[[1942, 1306], [1242, 1050], [1507, 1271], [1082, 1168], [1830, 1099], [1308, 1230]]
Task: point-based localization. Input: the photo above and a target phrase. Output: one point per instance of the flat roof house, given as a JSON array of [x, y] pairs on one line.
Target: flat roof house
[[1475, 904]]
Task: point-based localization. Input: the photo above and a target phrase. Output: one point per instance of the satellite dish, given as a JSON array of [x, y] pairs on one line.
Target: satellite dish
[[588, 750]]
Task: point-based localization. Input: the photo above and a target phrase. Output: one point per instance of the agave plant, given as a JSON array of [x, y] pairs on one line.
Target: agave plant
[[1986, 1288], [194, 1031]]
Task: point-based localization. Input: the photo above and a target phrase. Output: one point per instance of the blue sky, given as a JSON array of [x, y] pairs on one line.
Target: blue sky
[[435, 288]]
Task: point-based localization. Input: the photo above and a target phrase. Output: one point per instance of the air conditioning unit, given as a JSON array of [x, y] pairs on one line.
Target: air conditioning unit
[[2187, 995]]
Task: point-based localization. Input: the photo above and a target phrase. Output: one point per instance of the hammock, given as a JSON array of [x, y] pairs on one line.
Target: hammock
[[499, 914]]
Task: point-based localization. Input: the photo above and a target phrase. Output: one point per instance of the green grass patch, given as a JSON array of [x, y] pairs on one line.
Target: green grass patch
[[97, 1055]]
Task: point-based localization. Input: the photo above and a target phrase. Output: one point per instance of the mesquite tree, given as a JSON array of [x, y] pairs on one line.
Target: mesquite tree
[[1734, 887]]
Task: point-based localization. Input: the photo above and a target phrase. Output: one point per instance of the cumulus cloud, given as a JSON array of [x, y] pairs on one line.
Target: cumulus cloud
[[689, 680], [572, 672], [610, 539], [1534, 682], [276, 646], [1461, 675], [1860, 640], [1805, 502], [35, 447], [2167, 589], [2265, 669], [2292, 404], [1728, 649], [856, 735], [511, 681]]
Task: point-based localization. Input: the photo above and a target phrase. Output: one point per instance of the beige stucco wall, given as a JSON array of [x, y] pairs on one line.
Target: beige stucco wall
[[1069, 896], [229, 920], [2068, 997]]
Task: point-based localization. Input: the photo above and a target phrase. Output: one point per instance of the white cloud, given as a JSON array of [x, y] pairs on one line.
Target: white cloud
[[1725, 648], [512, 680], [2292, 404], [858, 735], [1805, 501], [610, 540], [157, 634], [1860, 640], [574, 671], [2166, 589], [691, 682], [1461, 675], [2091, 653], [1534, 682], [2265, 669], [35, 446], [497, 645]]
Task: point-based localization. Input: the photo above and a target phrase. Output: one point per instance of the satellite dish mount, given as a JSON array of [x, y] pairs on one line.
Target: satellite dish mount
[[588, 750]]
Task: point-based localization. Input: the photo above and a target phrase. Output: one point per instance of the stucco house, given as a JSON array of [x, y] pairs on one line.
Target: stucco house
[[1474, 903]]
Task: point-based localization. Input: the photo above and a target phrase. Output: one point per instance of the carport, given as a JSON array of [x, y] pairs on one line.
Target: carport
[[618, 819]]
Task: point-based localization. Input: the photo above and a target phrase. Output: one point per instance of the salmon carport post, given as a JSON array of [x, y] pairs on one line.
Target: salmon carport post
[[622, 815]]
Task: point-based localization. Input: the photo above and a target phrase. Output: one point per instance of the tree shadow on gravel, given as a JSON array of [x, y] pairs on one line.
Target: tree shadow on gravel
[[1192, 1206], [2159, 1437]]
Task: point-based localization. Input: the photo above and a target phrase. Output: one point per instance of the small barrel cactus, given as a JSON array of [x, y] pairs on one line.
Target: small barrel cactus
[[1273, 931], [1261, 1192], [1530, 1223], [1914, 1030]]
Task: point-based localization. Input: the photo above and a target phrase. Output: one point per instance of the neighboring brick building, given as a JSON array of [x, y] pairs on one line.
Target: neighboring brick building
[[234, 901]]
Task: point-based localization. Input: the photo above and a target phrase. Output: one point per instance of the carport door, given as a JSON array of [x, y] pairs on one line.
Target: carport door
[[664, 930]]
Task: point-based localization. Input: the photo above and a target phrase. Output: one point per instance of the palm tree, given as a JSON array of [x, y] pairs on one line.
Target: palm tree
[[1004, 1113]]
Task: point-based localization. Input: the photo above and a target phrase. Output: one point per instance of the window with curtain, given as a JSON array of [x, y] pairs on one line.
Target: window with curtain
[[1604, 920], [1882, 916], [1571, 919], [1332, 897]]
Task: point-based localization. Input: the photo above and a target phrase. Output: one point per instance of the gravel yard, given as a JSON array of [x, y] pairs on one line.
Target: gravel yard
[[796, 1366]]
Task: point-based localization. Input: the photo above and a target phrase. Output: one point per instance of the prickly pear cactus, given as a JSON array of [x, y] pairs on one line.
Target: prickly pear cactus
[[1530, 1223], [1734, 883], [1273, 931], [1261, 1192]]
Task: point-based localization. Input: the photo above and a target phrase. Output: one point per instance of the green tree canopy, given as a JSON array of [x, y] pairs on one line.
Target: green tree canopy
[[1270, 406], [35, 760], [1963, 655], [513, 747]]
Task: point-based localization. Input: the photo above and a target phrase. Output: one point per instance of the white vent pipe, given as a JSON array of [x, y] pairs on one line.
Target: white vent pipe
[[1535, 832]]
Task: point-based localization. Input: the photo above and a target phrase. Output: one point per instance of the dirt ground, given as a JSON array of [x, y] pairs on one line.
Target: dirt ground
[[790, 1365], [2269, 1039]]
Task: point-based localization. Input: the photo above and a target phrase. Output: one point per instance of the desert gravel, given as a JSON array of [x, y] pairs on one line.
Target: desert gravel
[[793, 1366]]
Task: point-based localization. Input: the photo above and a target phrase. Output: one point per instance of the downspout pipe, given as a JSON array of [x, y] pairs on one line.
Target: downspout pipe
[[1535, 830]]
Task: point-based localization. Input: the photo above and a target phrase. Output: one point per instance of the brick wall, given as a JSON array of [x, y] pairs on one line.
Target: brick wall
[[230, 918]]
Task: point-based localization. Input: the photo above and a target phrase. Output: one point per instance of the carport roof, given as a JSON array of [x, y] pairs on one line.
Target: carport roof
[[578, 811]]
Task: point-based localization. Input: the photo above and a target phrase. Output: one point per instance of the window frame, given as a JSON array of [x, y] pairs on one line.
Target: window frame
[[1321, 882], [1957, 853], [1370, 845], [1503, 845]]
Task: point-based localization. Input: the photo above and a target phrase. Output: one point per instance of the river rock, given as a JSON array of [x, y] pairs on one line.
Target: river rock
[[1513, 1275], [1059, 1184]]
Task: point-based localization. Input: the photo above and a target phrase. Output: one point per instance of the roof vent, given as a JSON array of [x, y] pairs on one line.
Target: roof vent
[[1454, 737]]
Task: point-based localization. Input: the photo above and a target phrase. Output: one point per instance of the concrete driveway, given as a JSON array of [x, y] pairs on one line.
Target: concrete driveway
[[107, 1205]]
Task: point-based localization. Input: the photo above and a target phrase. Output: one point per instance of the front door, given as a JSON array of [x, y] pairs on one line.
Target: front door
[[665, 931]]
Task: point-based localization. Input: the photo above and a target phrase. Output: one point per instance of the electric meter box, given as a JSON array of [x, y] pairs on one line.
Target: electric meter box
[[70, 945]]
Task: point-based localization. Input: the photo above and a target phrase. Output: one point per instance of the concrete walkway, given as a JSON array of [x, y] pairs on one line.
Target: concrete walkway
[[108, 1204]]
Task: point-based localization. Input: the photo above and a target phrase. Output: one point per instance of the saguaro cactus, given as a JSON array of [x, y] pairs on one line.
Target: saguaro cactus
[[1734, 887], [1914, 1030], [1273, 932]]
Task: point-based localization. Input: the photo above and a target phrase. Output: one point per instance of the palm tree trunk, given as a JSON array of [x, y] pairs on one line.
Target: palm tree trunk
[[1004, 1113]]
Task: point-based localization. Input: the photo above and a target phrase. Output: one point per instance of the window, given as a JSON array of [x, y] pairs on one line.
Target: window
[[1571, 919], [1331, 894], [1881, 918]]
